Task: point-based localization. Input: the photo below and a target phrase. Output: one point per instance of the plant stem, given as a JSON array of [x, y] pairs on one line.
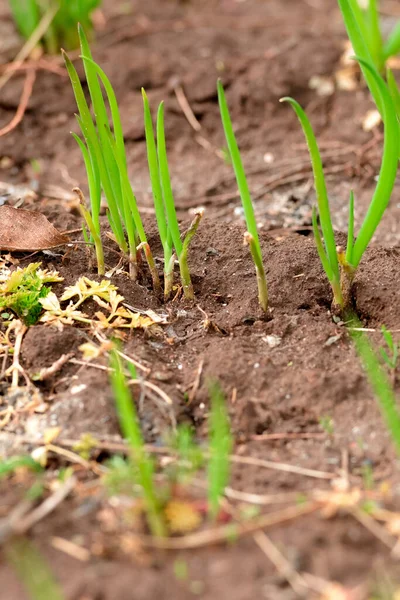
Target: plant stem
[[169, 261], [152, 266], [260, 272], [93, 231], [183, 264]]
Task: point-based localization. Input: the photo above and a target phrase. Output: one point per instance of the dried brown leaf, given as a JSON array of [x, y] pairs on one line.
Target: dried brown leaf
[[27, 230]]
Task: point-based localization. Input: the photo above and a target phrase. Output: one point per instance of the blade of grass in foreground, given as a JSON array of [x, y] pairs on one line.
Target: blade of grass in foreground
[[32, 570], [378, 380], [220, 444], [130, 427], [245, 196]]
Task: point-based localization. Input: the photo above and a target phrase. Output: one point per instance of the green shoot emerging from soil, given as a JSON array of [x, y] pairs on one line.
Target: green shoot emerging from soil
[[164, 204], [62, 30], [21, 291], [104, 154], [365, 33], [141, 462], [340, 265], [221, 443], [251, 236]]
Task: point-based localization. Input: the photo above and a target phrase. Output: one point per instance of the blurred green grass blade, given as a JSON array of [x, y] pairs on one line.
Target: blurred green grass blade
[[320, 246], [238, 168], [220, 445], [9, 465], [130, 427], [93, 143], [388, 171], [350, 230], [392, 45], [26, 16], [168, 196], [379, 381], [32, 570], [359, 41], [152, 160], [320, 187]]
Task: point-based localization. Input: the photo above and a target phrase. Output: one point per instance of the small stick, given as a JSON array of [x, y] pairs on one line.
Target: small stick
[[224, 532], [23, 103], [68, 547], [15, 369], [152, 266], [54, 368], [46, 507], [282, 565], [196, 383], [266, 437]]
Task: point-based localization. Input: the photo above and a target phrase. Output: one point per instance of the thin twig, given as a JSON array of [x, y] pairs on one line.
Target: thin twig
[[23, 103], [225, 532], [27, 521]]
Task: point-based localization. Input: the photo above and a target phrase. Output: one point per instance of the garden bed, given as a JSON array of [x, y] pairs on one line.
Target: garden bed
[[295, 390]]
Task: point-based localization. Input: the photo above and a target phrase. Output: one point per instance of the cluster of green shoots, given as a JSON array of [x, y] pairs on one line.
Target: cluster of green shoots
[[103, 150], [61, 32], [340, 264], [141, 467]]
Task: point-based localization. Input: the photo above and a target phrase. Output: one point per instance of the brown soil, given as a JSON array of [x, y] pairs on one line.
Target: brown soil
[[262, 50]]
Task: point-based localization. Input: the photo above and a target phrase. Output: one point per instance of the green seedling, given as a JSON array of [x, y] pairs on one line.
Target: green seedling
[[141, 463], [164, 204], [94, 228], [365, 33], [338, 264], [22, 290], [378, 379], [220, 447], [390, 357], [105, 159], [251, 236], [62, 30]]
